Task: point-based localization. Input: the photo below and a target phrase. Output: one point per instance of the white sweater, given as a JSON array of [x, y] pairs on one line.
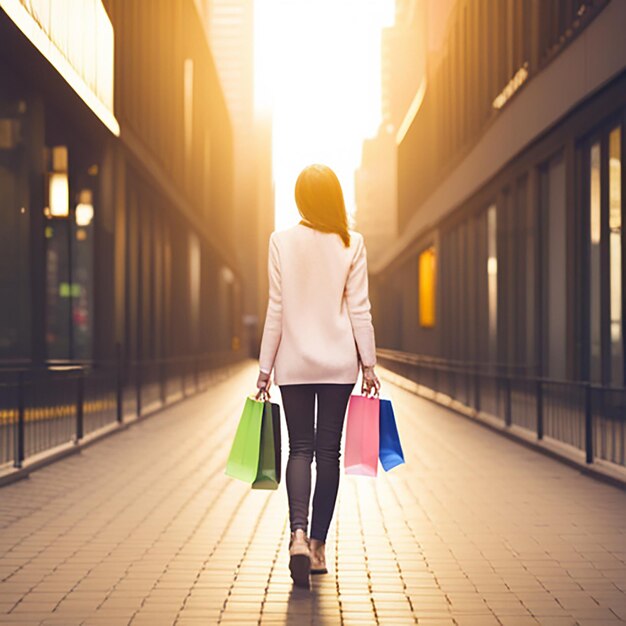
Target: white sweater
[[318, 320]]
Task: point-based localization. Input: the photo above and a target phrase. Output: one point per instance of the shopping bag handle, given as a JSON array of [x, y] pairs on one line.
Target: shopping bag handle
[[263, 394], [376, 393]]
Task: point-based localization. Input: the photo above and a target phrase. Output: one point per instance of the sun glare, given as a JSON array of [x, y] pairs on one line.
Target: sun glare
[[317, 67]]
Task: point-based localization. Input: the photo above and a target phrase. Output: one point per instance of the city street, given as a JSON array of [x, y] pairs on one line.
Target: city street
[[144, 528]]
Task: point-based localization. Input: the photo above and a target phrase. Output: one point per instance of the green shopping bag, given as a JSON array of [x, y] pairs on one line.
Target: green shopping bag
[[243, 460], [268, 474]]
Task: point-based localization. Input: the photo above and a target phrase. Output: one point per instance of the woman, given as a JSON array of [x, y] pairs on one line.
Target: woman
[[317, 329]]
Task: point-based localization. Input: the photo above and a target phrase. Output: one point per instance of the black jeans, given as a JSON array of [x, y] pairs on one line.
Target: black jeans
[[324, 441]]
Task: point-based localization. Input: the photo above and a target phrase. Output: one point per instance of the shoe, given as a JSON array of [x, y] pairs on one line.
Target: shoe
[[318, 557], [299, 558]]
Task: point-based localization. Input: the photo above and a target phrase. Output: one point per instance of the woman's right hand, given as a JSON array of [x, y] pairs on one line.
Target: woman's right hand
[[370, 381]]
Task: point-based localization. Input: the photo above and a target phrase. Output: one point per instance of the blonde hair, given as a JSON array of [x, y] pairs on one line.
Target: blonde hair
[[320, 201]]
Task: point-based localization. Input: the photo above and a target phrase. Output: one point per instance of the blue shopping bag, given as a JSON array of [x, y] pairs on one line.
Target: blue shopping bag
[[390, 450]]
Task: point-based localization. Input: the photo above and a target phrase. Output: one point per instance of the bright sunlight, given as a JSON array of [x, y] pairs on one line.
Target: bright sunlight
[[318, 70]]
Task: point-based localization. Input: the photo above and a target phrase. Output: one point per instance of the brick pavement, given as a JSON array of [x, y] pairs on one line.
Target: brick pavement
[[145, 529]]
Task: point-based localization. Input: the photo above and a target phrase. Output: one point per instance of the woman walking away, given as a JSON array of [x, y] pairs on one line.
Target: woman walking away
[[317, 330]]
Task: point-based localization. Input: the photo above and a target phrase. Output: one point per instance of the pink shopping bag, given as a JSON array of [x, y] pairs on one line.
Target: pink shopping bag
[[362, 434]]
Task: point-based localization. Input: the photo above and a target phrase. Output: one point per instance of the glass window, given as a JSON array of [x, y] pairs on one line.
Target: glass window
[[427, 287], [15, 216], [84, 181], [492, 281], [58, 291], [595, 337], [69, 260], [525, 263], [615, 256], [530, 253], [554, 296], [82, 234]]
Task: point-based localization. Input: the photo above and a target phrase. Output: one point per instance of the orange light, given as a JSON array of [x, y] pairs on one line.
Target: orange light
[[58, 194], [84, 209], [511, 87], [427, 291]]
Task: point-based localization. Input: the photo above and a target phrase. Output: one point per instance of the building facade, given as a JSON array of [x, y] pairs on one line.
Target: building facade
[[116, 175], [402, 71], [230, 28], [510, 173], [375, 192]]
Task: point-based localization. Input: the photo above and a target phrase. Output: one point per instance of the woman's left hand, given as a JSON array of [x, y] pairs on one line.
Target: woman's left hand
[[263, 381]]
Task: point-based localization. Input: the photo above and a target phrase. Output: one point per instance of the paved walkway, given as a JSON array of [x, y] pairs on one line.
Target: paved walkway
[[145, 529]]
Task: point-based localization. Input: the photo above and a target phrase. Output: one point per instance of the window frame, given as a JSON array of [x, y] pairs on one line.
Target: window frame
[[600, 134]]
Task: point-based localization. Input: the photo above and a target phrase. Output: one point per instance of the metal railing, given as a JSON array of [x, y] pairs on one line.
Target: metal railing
[[44, 407], [582, 415]]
